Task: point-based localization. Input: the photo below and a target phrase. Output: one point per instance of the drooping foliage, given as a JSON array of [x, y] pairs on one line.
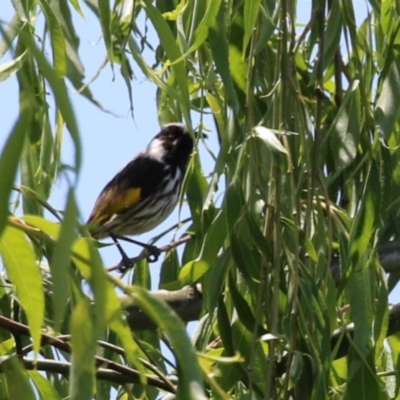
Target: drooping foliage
[[287, 229]]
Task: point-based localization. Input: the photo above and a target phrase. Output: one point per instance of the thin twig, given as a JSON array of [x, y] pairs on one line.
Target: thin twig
[[143, 254], [120, 351], [16, 328], [63, 368]]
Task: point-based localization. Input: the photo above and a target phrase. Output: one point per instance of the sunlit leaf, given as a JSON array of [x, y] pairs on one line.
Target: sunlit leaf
[[23, 271], [11, 67], [9, 162], [269, 138], [16, 379]]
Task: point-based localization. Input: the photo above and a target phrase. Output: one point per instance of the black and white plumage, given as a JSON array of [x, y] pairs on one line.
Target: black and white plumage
[[145, 192]]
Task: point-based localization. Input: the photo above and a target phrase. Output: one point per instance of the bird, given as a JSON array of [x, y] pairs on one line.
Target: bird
[[145, 192]]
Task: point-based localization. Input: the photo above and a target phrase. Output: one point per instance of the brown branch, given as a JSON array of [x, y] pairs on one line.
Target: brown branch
[[63, 368], [342, 337], [186, 302], [144, 255], [344, 345], [130, 374], [389, 258]]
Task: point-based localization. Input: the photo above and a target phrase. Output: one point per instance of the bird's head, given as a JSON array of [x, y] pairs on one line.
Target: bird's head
[[172, 145]]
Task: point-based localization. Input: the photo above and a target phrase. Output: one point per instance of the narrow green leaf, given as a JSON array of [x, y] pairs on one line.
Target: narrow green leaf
[[9, 159], [49, 159], [269, 138], [214, 238], [394, 343], [387, 106], [214, 280], [229, 375], [296, 368], [362, 381], [105, 21], [367, 216], [195, 187], [189, 273], [50, 228], [190, 384], [250, 14], [9, 34], [170, 268], [43, 386], [381, 322], [58, 40], [19, 7], [120, 327], [237, 68], [141, 276], [168, 43], [149, 72], [234, 204], [345, 129], [333, 33], [361, 304], [83, 341], [247, 261], [201, 32], [60, 260], [20, 262], [107, 306], [243, 341], [218, 40], [16, 379], [245, 313], [86, 257], [11, 67], [75, 4], [61, 95]]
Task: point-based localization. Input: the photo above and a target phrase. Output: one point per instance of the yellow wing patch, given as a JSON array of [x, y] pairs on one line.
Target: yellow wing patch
[[130, 197], [110, 204]]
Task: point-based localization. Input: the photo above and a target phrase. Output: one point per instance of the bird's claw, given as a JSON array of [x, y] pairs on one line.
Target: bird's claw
[[153, 254], [125, 264]]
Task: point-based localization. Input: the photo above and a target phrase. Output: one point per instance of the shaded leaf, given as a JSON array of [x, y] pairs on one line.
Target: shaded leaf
[[190, 385]]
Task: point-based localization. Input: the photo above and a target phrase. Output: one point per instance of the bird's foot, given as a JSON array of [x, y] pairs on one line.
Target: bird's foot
[[153, 253], [125, 263]]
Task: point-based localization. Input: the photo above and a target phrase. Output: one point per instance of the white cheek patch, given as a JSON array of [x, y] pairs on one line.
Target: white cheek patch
[[156, 150]]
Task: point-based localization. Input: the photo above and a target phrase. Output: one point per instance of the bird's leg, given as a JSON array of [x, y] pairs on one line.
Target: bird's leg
[[153, 251], [125, 259]]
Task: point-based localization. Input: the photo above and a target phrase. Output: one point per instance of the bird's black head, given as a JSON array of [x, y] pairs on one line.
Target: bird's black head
[[172, 145]]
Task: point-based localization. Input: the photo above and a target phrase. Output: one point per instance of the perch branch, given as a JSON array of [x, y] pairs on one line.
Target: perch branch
[[144, 255]]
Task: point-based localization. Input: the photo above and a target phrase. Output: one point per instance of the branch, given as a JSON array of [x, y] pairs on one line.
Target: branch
[[63, 368], [389, 258], [186, 302], [144, 255], [345, 335], [343, 349], [128, 373]]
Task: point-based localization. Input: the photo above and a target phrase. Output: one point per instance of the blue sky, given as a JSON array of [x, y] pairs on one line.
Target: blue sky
[[109, 142]]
